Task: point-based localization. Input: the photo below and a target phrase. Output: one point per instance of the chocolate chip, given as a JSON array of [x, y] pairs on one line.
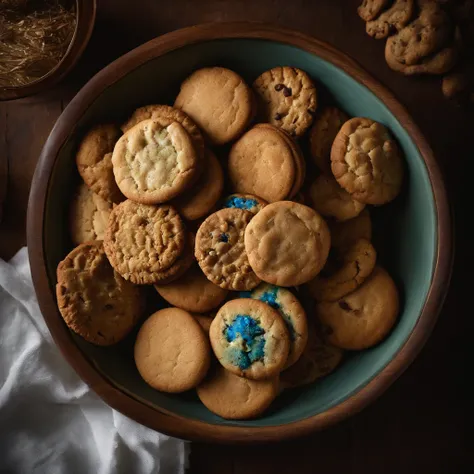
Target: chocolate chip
[[279, 87], [343, 305], [287, 91], [278, 116]]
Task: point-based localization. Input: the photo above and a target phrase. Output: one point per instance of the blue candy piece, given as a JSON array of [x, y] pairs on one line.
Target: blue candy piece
[[241, 203], [224, 238]]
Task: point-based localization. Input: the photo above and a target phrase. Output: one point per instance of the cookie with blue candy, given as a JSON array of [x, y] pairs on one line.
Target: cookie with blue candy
[[247, 202]]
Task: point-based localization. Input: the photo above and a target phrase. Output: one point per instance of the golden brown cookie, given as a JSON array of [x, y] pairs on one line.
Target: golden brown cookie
[[250, 339], [153, 164], [293, 313], [287, 99], [166, 115], [172, 352], [364, 317], [88, 216], [220, 250], [370, 9], [330, 200], [287, 243], [204, 321], [143, 240], [343, 234], [394, 18], [203, 196], [366, 161], [356, 264], [193, 292], [94, 161], [326, 125], [236, 398], [247, 202], [94, 300], [219, 101], [262, 163]]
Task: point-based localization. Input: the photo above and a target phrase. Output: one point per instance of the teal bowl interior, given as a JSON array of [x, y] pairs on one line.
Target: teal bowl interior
[[405, 230]]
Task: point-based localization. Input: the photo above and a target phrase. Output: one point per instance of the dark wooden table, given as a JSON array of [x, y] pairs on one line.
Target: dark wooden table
[[422, 424]]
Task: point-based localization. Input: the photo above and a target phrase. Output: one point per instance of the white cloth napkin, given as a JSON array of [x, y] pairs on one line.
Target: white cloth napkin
[[50, 421]]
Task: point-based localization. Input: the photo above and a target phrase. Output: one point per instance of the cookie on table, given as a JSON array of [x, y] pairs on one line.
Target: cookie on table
[[292, 312], [330, 200], [370, 9], [326, 125], [203, 196], [220, 250], [166, 115], [172, 353], [364, 317], [142, 240], [262, 163], [153, 164], [94, 300], [247, 202], [287, 243], [366, 161], [250, 339], [219, 101], [343, 234], [287, 99], [193, 292], [88, 216], [94, 161], [394, 18], [236, 398], [357, 263]]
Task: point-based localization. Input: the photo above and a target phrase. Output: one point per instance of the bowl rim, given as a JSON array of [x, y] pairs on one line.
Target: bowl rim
[[86, 14], [158, 418]]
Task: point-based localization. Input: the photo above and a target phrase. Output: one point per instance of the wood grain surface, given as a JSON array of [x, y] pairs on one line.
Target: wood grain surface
[[422, 424]]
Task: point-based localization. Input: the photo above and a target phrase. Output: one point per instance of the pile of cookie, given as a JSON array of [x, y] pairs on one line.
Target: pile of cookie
[[265, 293], [426, 37]]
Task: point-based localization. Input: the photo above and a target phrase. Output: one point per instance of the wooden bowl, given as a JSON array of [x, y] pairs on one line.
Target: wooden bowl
[[85, 11], [416, 228]]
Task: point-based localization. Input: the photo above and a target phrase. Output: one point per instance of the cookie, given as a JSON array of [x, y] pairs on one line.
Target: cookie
[[94, 161], [370, 9], [285, 302], [247, 202], [193, 292], [165, 116], [366, 161], [262, 163], [153, 164], [287, 243], [319, 359], [343, 234], [220, 250], [88, 216], [172, 352], [287, 99], [426, 35], [323, 132], [250, 339], [364, 317], [94, 300], [394, 18], [356, 264], [219, 101], [204, 320], [236, 398], [203, 196], [143, 240], [330, 200]]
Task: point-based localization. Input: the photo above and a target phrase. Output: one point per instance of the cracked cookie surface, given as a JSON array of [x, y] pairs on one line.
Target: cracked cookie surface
[[171, 351], [343, 234], [287, 243], [220, 250], [287, 99], [153, 164], [366, 161], [370, 9], [250, 339], [394, 18], [94, 300], [143, 240]]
